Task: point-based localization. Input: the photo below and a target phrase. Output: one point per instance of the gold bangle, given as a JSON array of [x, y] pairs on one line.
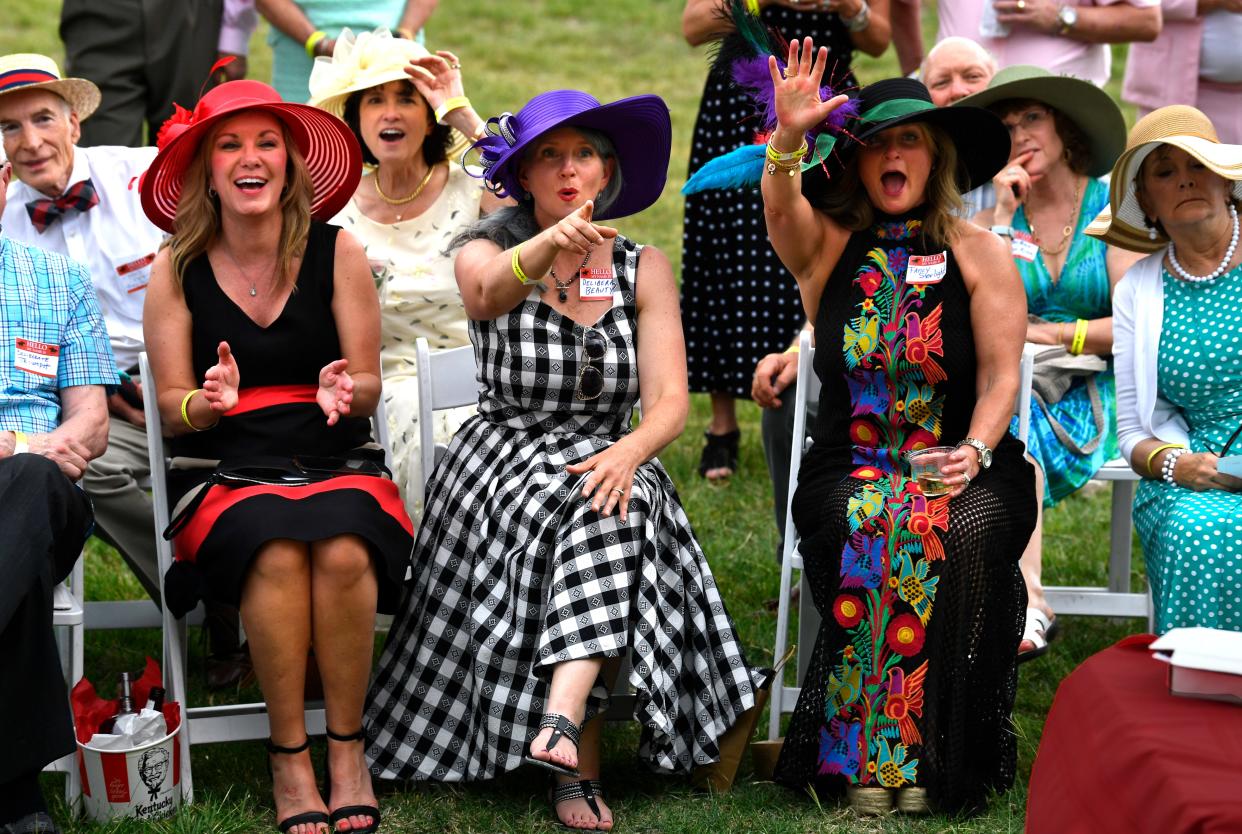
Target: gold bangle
[[752, 6], [1157, 451], [517, 266], [1080, 337], [313, 42], [449, 106], [185, 411]]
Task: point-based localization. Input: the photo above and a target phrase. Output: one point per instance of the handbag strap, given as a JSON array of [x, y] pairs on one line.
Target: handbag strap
[[1097, 414]]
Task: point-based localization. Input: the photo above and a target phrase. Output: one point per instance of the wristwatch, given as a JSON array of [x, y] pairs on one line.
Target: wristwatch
[[859, 21], [985, 454], [1067, 16]]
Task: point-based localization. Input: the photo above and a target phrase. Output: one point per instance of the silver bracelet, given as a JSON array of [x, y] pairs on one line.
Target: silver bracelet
[[1170, 463], [859, 21]]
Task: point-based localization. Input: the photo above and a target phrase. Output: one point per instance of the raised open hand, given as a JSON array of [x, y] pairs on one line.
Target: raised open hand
[[336, 390], [436, 77], [222, 380], [798, 104], [576, 233]]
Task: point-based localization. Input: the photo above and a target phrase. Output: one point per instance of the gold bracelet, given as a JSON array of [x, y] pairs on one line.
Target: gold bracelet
[[1157, 451], [185, 411], [313, 42], [449, 106], [1080, 337], [517, 266]]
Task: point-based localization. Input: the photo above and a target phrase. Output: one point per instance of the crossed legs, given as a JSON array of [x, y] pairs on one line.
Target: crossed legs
[[322, 594]]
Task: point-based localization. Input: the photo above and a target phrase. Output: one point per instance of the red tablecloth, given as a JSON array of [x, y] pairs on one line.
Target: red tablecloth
[[1120, 754]]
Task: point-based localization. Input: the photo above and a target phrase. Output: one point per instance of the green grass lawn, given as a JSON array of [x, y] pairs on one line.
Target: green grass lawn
[[510, 51]]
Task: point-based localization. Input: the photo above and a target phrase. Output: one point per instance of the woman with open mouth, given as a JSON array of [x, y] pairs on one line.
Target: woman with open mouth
[[410, 115], [919, 317]]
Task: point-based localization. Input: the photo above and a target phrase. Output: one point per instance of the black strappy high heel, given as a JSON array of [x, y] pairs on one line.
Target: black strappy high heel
[[308, 817], [347, 811]]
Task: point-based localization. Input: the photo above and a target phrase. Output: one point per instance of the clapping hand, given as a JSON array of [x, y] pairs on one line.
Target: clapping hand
[[222, 380], [336, 390], [798, 105], [576, 233]]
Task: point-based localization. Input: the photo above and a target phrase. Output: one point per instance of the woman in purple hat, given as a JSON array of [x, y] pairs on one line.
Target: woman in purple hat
[[553, 544]]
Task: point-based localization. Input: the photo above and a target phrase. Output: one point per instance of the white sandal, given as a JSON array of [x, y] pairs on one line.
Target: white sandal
[[1039, 632]]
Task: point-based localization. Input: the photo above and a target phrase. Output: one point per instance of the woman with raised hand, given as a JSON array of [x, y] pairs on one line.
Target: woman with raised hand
[[919, 318], [1175, 193], [1065, 133], [553, 542], [263, 329], [408, 111]]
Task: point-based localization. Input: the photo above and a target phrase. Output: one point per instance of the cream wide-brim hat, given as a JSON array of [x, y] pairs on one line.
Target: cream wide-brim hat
[[28, 71], [1122, 223], [360, 62]]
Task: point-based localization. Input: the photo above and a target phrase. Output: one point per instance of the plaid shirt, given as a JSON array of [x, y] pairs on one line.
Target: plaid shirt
[[47, 299]]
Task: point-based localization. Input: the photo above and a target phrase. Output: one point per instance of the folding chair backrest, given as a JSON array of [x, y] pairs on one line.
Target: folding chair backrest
[[446, 379]]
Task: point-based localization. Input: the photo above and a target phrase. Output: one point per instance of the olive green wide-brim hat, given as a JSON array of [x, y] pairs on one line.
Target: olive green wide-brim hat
[[1122, 223], [1086, 105]]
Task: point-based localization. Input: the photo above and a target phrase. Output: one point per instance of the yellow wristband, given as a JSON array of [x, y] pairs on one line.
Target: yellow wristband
[[1080, 337], [791, 349], [185, 410], [313, 41], [21, 443], [1157, 451], [517, 265], [752, 6], [449, 106], [793, 156], [405, 33]]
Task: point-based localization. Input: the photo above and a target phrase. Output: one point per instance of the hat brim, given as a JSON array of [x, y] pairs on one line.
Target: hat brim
[[328, 146], [1086, 105], [83, 96], [981, 142], [640, 130], [1123, 223]]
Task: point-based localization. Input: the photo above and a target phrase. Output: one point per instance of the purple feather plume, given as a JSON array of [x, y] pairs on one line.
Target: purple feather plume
[[752, 75]]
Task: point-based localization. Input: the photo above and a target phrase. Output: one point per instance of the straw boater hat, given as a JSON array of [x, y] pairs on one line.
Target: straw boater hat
[[360, 62], [27, 71], [639, 128], [326, 143], [1122, 223], [1085, 104]]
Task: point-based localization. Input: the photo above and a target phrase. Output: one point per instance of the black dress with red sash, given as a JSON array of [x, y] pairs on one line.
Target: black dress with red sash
[[276, 419]]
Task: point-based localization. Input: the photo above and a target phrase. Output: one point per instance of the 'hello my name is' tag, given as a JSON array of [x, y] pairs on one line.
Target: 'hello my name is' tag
[[37, 358], [1023, 246], [596, 283], [927, 269]]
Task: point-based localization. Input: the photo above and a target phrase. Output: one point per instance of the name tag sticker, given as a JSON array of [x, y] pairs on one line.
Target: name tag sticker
[[927, 269], [1023, 246], [37, 358], [596, 283], [135, 272]]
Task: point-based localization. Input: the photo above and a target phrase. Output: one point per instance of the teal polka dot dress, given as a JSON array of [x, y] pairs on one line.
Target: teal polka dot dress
[[1192, 541]]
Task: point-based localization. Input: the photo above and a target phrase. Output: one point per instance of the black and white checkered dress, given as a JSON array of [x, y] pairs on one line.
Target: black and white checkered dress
[[514, 572]]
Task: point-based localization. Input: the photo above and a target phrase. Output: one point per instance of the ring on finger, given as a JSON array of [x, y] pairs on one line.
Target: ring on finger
[[455, 65], [617, 490]]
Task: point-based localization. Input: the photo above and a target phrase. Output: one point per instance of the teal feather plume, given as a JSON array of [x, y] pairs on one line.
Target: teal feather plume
[[741, 168]]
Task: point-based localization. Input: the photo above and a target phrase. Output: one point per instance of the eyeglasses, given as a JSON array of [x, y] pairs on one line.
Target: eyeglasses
[[591, 378], [1027, 120], [1229, 442]]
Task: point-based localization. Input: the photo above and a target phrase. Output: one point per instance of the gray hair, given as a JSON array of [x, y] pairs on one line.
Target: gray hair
[[512, 225]]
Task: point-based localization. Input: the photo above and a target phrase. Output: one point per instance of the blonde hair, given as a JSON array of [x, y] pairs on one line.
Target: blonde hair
[[197, 221], [848, 204]]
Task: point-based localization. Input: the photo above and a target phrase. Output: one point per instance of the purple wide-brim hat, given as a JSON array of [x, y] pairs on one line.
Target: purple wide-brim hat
[[639, 128]]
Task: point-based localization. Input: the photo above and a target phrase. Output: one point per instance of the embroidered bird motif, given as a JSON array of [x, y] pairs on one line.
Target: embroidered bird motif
[[860, 510], [905, 699], [915, 588], [844, 689], [923, 338], [862, 334]]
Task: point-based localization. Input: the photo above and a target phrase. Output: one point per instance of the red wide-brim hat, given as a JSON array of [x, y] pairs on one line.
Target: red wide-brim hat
[[326, 143]]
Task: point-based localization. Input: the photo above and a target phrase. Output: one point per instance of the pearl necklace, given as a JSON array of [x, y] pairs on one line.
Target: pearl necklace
[[1224, 264]]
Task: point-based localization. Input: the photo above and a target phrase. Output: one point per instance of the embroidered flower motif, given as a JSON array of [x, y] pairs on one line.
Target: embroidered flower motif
[[848, 610], [868, 305], [848, 652], [892, 582], [899, 406], [905, 635], [919, 439]]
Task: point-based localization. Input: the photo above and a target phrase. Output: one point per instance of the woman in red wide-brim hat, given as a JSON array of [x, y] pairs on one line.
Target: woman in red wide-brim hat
[[262, 324]]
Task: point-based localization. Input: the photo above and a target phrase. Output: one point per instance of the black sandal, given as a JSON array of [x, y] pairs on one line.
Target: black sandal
[[720, 452], [307, 818], [561, 727], [586, 789], [347, 811]]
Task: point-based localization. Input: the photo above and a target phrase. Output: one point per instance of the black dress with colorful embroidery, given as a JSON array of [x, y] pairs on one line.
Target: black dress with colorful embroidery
[[913, 675]]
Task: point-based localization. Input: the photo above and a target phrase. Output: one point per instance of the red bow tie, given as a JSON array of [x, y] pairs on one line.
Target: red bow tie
[[81, 196]]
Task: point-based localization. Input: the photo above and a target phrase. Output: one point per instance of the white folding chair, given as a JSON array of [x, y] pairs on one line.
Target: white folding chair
[[783, 698], [1114, 599], [69, 619]]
